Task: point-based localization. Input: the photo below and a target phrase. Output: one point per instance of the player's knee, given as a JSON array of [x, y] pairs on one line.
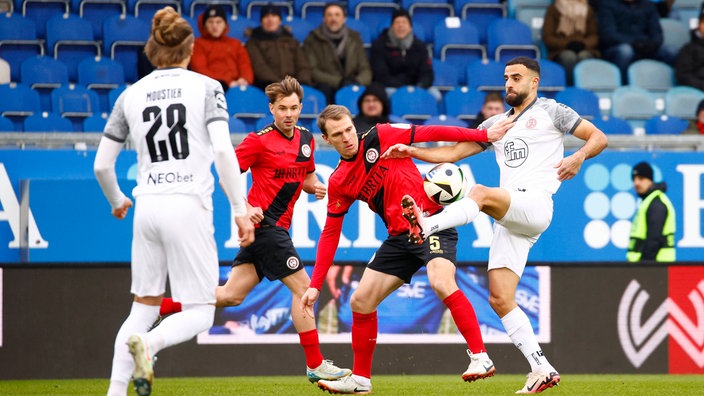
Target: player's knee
[[225, 299], [498, 303], [360, 305]]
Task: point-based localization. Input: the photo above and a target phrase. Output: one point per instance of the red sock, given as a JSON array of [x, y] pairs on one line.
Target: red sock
[[169, 306], [466, 320], [311, 347], [364, 331]]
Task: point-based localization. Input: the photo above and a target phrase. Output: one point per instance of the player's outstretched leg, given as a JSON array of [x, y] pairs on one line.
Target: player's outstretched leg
[[143, 376], [538, 381], [326, 371], [346, 385], [414, 216], [480, 367]]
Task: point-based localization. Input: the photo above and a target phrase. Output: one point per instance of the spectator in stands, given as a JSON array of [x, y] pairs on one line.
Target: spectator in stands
[[696, 126], [493, 104], [630, 30], [274, 52], [689, 67], [374, 108], [218, 56], [399, 58], [570, 34], [336, 53]]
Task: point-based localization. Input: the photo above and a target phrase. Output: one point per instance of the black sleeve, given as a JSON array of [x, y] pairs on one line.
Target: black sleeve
[[656, 215]]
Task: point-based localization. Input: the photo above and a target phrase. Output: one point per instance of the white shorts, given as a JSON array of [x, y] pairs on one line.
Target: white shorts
[[174, 235], [528, 215]]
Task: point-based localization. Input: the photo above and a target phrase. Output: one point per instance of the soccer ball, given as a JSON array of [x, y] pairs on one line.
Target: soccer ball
[[445, 183]]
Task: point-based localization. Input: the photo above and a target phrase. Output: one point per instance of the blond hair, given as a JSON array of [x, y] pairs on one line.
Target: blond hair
[[170, 40], [332, 112], [284, 88]]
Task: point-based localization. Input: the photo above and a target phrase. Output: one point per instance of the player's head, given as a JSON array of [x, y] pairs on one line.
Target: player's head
[[285, 103], [171, 39], [335, 122], [522, 76]]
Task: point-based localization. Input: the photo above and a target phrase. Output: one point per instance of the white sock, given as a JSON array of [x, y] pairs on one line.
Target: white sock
[[520, 331], [181, 326], [454, 215], [140, 319]]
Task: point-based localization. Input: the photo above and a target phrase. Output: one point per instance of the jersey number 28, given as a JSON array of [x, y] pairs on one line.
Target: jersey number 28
[[178, 135]]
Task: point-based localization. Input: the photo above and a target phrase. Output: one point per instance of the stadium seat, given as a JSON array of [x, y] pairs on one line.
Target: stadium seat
[[101, 75], [444, 119], [70, 40], [237, 126], [682, 102], [43, 74], [114, 94], [426, 14], [238, 27], [348, 95], [193, 8], [371, 12], [6, 125], [263, 122], [516, 6], [457, 43], [480, 13], [463, 103], [509, 38], [40, 11], [122, 39], [665, 125], [675, 34], [445, 75], [414, 104], [247, 103], [611, 125], [599, 76], [650, 74], [96, 11], [364, 30], [18, 101], [552, 78], [251, 8], [47, 122], [687, 11], [75, 102], [145, 9], [533, 17], [634, 104], [299, 27], [18, 41], [95, 123], [583, 101], [313, 103], [486, 76]]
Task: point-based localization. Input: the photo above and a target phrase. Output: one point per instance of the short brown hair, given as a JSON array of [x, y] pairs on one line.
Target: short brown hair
[[332, 112], [170, 40], [284, 88]]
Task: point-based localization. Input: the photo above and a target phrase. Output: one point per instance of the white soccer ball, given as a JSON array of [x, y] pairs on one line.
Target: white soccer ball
[[445, 183]]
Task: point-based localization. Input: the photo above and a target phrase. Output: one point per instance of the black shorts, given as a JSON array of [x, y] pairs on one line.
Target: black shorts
[[400, 258], [272, 254]]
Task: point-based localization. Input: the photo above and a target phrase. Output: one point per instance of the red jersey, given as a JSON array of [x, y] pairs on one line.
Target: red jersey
[[279, 166], [381, 183]]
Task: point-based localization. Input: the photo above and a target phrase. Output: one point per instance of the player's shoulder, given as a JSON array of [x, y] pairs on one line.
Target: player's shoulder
[[265, 130]]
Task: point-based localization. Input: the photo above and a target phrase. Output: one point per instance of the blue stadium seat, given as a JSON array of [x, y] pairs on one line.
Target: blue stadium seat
[[682, 102], [40, 11], [533, 17], [70, 40], [599, 76], [145, 9], [47, 122], [634, 104], [247, 103], [584, 102], [486, 76], [508, 38], [552, 78], [263, 122], [299, 28], [457, 43], [426, 14], [311, 11], [444, 119], [237, 126], [114, 94], [348, 95], [675, 34], [43, 74], [372, 12], [96, 11], [665, 125], [6, 125], [18, 41], [75, 102], [101, 75], [611, 125], [364, 30], [655, 76], [122, 39], [18, 101], [414, 104], [446, 76], [313, 103], [480, 13], [516, 6], [463, 103], [95, 123], [238, 27]]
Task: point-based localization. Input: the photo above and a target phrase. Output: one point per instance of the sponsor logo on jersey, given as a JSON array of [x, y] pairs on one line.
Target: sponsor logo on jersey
[[372, 155], [516, 152], [293, 262], [305, 150]]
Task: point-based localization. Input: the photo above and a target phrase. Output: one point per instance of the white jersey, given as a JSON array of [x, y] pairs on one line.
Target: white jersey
[[530, 150], [165, 114]]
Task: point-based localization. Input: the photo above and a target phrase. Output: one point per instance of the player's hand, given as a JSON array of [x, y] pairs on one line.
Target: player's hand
[[320, 190], [245, 230], [121, 212], [398, 150], [308, 302], [498, 130], [255, 214], [569, 166]]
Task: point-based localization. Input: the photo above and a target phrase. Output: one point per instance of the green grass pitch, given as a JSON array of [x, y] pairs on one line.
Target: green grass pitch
[[386, 385]]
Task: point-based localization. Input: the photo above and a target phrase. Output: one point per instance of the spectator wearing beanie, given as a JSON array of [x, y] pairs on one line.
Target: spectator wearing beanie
[[274, 52], [217, 55], [374, 108], [399, 58]]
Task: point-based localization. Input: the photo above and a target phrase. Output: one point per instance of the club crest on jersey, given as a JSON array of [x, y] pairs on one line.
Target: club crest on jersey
[[516, 152], [305, 150], [531, 123], [292, 262], [372, 155], [220, 100]]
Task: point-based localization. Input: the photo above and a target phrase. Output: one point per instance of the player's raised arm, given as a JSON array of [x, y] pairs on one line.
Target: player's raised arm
[[434, 154]]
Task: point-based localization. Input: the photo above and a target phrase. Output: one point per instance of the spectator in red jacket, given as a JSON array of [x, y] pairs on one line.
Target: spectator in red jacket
[[218, 56]]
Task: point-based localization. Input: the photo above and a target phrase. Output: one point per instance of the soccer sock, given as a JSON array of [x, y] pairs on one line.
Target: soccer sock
[[139, 321], [169, 306], [364, 332], [466, 320], [181, 326], [520, 331], [311, 347], [454, 215]]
